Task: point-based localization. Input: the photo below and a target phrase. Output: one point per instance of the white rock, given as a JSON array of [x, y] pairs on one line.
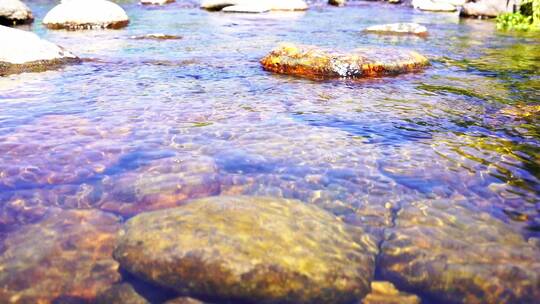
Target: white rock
[[428, 5], [287, 5], [156, 2], [453, 2], [274, 5], [217, 5], [14, 12], [86, 14], [398, 28], [486, 8], [21, 48], [246, 8]]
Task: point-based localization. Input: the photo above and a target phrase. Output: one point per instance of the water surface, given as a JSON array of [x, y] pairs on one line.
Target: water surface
[[149, 124]]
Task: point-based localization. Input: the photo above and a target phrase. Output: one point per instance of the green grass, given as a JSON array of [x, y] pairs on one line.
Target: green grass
[[526, 19]]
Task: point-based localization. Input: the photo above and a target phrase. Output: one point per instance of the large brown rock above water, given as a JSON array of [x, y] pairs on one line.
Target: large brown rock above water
[[312, 62], [68, 255], [261, 249], [13, 12], [460, 255], [23, 51]]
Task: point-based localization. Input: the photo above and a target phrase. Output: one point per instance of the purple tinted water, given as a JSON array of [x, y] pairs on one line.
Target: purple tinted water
[[149, 124]]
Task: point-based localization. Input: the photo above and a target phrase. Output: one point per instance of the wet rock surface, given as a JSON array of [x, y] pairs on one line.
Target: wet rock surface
[[67, 255], [383, 292], [14, 12], [23, 51], [459, 255], [83, 14], [164, 184], [399, 29], [250, 248], [313, 62], [121, 294]]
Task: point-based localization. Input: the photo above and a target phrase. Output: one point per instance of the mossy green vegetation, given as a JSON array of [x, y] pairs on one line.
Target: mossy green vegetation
[[526, 19]]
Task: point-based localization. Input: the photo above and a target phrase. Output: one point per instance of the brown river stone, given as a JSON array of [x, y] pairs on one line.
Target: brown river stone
[[259, 249], [68, 255], [459, 255], [383, 292], [313, 62]]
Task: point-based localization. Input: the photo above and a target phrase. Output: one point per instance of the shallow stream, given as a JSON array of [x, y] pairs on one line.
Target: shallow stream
[[148, 124]]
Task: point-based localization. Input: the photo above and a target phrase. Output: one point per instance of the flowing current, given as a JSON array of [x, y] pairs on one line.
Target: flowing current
[[146, 124]]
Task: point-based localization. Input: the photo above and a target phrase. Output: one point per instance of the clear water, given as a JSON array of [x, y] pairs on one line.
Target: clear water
[[148, 124]]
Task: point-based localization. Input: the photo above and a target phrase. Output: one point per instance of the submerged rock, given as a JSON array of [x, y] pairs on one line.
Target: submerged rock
[[486, 8], [460, 255], [28, 161], [265, 250], [432, 6], [184, 300], [156, 2], [13, 12], [23, 51], [255, 6], [67, 255], [309, 61], [164, 183], [383, 292], [83, 14], [398, 28], [522, 110], [121, 294]]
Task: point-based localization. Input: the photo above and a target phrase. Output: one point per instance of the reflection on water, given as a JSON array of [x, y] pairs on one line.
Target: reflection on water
[[149, 124]]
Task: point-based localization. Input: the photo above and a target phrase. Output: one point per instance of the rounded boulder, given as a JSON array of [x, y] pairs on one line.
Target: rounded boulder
[[84, 14], [259, 249]]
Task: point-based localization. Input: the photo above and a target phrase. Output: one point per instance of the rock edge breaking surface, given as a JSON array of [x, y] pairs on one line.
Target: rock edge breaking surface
[[313, 62], [26, 52]]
